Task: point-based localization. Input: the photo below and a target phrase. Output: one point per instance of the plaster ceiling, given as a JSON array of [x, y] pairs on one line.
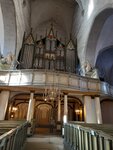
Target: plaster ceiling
[[60, 13]]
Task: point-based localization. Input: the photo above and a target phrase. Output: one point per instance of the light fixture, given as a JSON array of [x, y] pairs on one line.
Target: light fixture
[[52, 93], [78, 111], [12, 115], [14, 109]]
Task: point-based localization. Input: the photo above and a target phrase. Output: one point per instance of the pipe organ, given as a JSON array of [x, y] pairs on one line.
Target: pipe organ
[[48, 53]]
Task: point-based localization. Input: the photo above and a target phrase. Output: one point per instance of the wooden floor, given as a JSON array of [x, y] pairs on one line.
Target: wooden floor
[[44, 142]]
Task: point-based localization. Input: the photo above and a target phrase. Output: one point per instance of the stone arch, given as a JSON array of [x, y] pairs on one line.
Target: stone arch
[[96, 29], [104, 64], [43, 113], [9, 27], [21, 113]]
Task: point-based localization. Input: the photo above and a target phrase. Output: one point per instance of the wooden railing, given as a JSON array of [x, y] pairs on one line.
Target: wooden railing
[[42, 78], [12, 134], [88, 137]]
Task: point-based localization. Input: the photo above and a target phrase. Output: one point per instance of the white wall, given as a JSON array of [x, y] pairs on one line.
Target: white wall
[[1, 32], [60, 12], [41, 14], [22, 21], [77, 21], [106, 35], [9, 23], [91, 10]]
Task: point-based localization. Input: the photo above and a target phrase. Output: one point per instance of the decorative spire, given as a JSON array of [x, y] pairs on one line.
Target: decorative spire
[[70, 45], [30, 39], [51, 32]]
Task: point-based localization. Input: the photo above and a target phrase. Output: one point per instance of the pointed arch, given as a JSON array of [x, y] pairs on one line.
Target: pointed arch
[[94, 34]]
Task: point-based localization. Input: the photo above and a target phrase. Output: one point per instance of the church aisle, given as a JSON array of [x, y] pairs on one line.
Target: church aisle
[[44, 142]]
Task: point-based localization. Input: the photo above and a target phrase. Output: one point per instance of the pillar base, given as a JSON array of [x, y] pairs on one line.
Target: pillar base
[[31, 128], [59, 126]]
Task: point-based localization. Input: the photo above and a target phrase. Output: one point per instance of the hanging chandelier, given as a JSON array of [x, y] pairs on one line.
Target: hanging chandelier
[[52, 93]]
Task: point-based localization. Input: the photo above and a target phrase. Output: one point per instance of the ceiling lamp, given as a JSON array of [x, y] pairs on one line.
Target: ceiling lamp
[[52, 93]]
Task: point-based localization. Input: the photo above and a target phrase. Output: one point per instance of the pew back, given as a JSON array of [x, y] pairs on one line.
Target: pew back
[[82, 136], [12, 134]]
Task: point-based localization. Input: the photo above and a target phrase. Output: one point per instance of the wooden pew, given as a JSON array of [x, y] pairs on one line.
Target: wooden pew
[[12, 134], [107, 128], [82, 136]]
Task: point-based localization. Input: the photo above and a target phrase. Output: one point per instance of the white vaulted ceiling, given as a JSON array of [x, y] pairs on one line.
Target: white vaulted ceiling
[[58, 12]]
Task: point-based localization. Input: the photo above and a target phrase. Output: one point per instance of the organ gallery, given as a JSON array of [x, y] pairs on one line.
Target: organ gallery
[[49, 53]]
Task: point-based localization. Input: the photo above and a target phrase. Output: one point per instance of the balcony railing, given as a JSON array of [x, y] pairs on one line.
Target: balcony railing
[[42, 78]]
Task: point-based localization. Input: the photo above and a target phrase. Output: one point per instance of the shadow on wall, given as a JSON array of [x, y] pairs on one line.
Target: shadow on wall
[[104, 63], [96, 41]]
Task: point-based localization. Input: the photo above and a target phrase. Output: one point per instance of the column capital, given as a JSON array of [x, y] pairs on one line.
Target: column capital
[[92, 96], [32, 91], [65, 93], [97, 96], [5, 90], [86, 95]]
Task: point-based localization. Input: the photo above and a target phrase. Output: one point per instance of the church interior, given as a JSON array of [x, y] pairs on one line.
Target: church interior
[[56, 73]]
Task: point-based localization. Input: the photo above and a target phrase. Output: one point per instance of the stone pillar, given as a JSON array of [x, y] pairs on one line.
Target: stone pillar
[[89, 110], [4, 97], [65, 117], [31, 107], [59, 110], [59, 116], [98, 110]]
